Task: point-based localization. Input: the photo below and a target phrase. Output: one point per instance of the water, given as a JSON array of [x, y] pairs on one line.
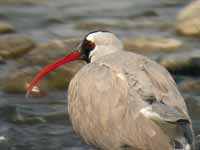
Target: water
[[42, 123], [36, 124]]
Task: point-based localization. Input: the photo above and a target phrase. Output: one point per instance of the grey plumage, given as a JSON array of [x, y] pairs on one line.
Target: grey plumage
[[124, 99]]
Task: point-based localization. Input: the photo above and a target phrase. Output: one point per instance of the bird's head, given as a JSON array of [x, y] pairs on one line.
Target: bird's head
[[93, 46], [97, 44]]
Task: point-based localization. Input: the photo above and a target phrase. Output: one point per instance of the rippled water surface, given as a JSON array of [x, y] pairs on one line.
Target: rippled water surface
[[42, 123]]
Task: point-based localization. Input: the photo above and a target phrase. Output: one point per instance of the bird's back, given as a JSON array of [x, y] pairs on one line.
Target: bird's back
[[149, 78]]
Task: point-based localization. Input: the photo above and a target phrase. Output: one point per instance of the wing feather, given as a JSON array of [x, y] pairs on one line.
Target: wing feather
[[98, 88]]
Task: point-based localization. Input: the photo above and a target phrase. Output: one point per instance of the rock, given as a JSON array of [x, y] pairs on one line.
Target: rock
[[60, 78], [185, 63], [188, 20], [6, 27], [142, 24], [2, 61], [18, 80], [46, 53], [190, 85], [15, 45], [197, 138], [146, 13], [18, 115], [151, 44]]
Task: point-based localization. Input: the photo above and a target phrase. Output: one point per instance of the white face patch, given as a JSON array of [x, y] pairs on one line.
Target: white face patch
[[105, 43], [91, 37]]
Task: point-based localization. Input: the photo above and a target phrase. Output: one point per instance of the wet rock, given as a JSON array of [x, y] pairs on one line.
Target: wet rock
[[2, 61], [146, 13], [54, 16], [60, 78], [197, 138], [15, 45], [48, 52], [151, 44], [188, 21], [18, 80], [23, 119], [186, 63], [126, 25], [6, 27], [190, 85]]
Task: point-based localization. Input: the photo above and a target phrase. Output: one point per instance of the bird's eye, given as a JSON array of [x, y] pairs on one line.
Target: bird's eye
[[90, 45]]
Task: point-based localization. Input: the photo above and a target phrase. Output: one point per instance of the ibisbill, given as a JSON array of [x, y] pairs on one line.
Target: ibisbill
[[122, 100]]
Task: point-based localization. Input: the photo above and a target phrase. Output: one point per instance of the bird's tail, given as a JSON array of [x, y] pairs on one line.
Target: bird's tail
[[184, 139], [174, 124]]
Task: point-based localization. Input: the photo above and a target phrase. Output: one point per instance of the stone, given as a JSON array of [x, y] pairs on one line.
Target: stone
[[188, 20], [185, 63], [15, 45], [18, 80], [6, 27], [152, 44], [126, 25], [2, 61], [46, 53], [190, 85]]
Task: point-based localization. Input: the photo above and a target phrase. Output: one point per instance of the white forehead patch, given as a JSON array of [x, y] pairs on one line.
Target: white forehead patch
[[91, 36]]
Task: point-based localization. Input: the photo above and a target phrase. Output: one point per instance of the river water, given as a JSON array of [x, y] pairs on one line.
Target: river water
[[42, 123]]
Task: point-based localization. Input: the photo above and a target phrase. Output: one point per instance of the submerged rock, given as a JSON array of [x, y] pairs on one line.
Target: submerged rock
[[6, 27], [186, 63], [188, 21], [15, 45], [152, 44], [19, 115]]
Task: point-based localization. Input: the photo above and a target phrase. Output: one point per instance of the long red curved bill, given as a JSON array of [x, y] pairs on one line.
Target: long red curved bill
[[70, 57]]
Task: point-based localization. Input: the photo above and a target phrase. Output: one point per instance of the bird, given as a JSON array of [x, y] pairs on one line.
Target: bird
[[123, 100]]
